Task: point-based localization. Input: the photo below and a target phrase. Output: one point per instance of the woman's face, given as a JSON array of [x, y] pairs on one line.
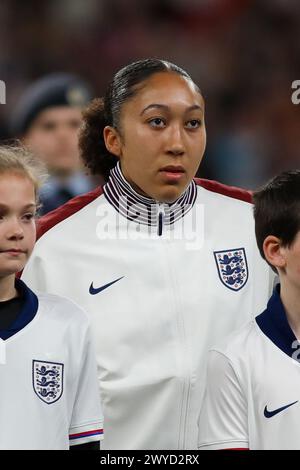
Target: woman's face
[[162, 137]]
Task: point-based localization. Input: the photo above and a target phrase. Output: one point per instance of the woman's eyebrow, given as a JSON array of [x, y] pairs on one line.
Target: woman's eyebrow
[[155, 106], [167, 108], [27, 206]]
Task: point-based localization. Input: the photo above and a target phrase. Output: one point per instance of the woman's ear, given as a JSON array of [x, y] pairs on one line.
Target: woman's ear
[[274, 251], [112, 140]]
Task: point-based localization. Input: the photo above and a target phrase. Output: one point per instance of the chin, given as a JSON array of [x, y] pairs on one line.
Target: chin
[[13, 268], [170, 195]]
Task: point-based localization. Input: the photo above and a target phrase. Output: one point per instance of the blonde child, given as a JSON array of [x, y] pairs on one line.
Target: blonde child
[[49, 396]]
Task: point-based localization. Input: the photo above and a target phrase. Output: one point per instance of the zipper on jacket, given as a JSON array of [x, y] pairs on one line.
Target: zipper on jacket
[[161, 215]]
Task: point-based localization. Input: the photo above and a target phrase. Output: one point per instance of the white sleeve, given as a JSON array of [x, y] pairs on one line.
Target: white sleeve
[[87, 418], [33, 274], [223, 422]]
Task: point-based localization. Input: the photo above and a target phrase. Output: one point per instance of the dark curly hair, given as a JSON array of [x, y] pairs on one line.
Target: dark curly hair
[[106, 111]]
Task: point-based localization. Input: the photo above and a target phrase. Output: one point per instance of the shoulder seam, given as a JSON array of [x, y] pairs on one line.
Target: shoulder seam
[[229, 191]]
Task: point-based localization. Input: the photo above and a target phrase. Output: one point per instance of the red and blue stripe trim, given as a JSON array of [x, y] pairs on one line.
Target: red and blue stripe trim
[[94, 432]]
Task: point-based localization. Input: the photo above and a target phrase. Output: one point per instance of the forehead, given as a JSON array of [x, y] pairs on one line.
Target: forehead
[[15, 185], [58, 114], [167, 88]]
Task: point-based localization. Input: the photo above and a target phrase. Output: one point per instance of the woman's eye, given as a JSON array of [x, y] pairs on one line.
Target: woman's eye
[[28, 216], [157, 122], [193, 123]]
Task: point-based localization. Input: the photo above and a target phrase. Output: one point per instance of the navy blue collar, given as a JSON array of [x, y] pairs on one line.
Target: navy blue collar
[[27, 313], [145, 210], [273, 323]]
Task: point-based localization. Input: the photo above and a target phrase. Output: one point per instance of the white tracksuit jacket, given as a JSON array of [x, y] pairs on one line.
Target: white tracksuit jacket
[[162, 283]]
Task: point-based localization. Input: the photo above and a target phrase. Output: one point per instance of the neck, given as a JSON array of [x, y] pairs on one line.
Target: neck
[[290, 297], [7, 288], [144, 210], [133, 188]]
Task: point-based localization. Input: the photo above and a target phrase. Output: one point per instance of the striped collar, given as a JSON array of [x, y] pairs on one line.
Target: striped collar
[[144, 210]]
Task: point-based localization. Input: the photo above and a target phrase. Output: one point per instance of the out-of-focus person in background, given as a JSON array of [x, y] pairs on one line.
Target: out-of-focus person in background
[[244, 53], [47, 119]]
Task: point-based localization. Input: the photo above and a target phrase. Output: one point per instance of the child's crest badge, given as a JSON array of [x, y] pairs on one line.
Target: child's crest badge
[[232, 268], [47, 380]]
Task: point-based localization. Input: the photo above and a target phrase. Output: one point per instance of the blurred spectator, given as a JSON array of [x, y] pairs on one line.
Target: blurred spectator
[[244, 55], [47, 119]]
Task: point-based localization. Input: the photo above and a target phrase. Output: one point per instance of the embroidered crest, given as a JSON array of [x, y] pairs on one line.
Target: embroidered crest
[[232, 267], [47, 380]]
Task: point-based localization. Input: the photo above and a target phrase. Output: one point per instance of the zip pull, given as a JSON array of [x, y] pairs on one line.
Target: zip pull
[[161, 216]]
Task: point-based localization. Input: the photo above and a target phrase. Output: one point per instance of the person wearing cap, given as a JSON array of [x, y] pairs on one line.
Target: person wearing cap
[[47, 119]]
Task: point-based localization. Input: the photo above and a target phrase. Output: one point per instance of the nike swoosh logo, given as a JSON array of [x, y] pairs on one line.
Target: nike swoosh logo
[[269, 414], [94, 291]]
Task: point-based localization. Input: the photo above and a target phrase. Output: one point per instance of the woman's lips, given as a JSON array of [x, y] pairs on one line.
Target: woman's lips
[[172, 173], [13, 251]]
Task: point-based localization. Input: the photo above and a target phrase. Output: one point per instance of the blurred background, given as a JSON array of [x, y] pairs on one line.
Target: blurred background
[[244, 55]]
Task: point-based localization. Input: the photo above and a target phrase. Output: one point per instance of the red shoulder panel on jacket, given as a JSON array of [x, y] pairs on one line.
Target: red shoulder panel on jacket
[[53, 218], [230, 191], [48, 221]]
